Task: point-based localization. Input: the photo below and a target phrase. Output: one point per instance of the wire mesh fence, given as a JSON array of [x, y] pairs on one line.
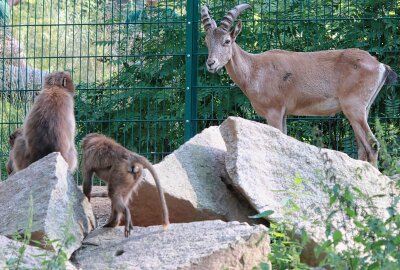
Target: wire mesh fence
[[139, 65]]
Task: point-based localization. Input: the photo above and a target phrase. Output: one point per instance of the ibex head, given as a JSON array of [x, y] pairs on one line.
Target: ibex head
[[220, 39]]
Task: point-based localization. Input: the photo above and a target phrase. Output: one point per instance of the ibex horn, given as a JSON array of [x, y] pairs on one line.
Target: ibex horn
[[206, 19], [231, 16]]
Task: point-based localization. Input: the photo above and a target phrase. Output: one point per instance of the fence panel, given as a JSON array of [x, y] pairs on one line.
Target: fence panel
[[139, 65]]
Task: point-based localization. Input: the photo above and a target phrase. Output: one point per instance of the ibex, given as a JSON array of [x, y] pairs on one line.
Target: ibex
[[280, 83]]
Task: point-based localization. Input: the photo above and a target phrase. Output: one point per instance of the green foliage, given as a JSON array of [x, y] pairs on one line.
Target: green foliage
[[49, 260], [286, 247], [142, 106], [146, 97], [61, 35], [371, 241], [389, 154], [130, 62], [374, 241], [4, 13], [14, 263]]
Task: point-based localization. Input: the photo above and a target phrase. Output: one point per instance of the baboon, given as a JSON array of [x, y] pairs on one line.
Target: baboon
[[122, 170], [11, 140], [50, 124]]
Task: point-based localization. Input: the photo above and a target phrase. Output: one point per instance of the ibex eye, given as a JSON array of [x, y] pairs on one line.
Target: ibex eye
[[227, 41]]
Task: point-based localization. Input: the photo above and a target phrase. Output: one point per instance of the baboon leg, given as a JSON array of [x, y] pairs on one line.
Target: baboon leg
[[128, 222], [117, 209], [87, 174], [19, 156], [10, 166], [71, 158]]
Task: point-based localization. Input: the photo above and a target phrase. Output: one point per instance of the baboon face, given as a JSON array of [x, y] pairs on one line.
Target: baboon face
[[61, 79]]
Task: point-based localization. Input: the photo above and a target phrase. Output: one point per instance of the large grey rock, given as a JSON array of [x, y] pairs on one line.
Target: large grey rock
[[20, 84], [199, 245], [31, 258], [273, 170], [193, 180], [9, 253], [59, 207]]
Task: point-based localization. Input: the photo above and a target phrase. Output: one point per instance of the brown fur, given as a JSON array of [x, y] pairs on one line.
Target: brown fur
[[50, 124], [280, 83], [122, 170], [10, 166]]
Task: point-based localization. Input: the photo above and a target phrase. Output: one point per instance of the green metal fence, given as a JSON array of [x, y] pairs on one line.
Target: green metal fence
[[139, 65]]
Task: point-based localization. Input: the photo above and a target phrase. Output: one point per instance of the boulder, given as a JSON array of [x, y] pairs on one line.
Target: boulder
[[277, 172], [59, 209], [31, 258], [198, 245], [101, 204], [21, 83], [193, 179]]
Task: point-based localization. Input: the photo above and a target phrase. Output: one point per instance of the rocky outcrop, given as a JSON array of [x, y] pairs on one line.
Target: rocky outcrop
[[59, 209], [193, 180], [199, 245], [277, 172], [20, 84], [9, 254], [13, 253]]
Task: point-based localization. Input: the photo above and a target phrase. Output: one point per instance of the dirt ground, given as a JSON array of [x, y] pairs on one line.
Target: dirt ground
[[101, 205]]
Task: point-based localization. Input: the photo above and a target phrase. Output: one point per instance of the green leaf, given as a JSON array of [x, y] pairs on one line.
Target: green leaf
[[350, 212], [337, 237], [263, 214], [264, 266], [278, 234]]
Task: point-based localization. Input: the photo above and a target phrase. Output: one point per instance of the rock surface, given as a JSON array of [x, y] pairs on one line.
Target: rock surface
[[101, 204], [193, 181], [9, 253], [273, 171], [59, 207], [198, 245], [32, 257]]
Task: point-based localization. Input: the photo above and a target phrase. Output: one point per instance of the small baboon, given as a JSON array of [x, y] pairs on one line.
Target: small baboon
[[122, 170], [50, 124], [17, 133]]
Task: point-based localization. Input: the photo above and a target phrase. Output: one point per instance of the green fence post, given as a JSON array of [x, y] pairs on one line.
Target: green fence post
[[191, 69]]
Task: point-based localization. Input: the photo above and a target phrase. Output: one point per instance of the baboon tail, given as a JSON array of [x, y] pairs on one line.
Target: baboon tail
[[391, 76], [153, 172]]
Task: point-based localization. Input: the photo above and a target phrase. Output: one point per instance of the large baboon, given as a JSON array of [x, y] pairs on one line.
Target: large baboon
[[122, 170], [50, 124]]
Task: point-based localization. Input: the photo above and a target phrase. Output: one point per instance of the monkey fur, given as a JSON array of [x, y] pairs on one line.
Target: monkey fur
[[50, 124], [122, 170], [10, 166]]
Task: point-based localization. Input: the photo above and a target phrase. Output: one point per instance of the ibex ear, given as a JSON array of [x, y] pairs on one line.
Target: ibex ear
[[236, 31]]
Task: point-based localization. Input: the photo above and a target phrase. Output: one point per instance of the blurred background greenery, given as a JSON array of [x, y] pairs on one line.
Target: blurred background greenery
[[129, 60]]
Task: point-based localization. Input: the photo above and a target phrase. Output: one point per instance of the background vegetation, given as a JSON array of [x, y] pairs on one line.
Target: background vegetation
[[128, 59], [129, 62]]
